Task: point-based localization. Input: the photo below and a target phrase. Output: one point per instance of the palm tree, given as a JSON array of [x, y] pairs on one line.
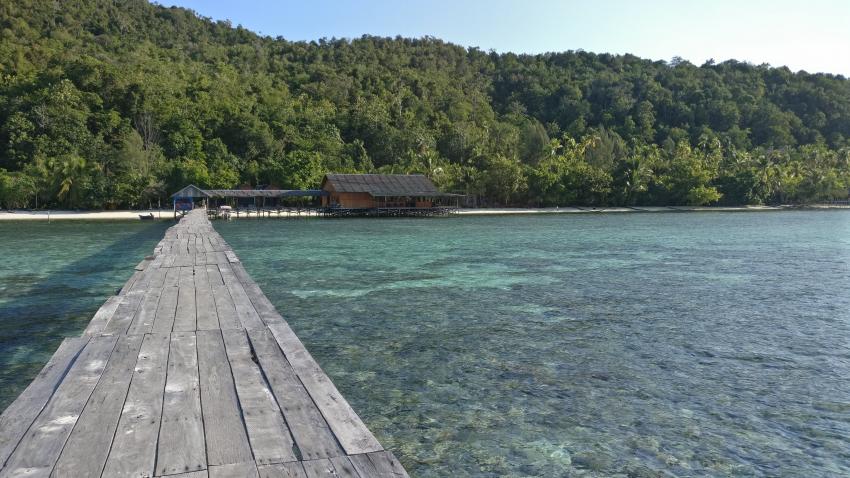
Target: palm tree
[[68, 172]]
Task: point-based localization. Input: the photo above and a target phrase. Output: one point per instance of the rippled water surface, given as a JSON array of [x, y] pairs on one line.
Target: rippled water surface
[[709, 344], [638, 344]]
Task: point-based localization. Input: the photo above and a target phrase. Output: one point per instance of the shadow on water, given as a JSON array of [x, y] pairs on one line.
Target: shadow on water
[[41, 304]]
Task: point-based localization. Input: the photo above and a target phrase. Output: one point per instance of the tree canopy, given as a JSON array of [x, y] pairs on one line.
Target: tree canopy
[[117, 103]]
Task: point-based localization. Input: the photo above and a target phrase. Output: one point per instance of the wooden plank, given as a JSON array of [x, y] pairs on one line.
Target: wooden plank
[[226, 438], [172, 277], [231, 256], [209, 257], [129, 284], [157, 279], [201, 259], [220, 257], [156, 262], [386, 464], [88, 446], [21, 413], [133, 450], [282, 470], [200, 248], [228, 319], [262, 305], [349, 430], [181, 445], [319, 469], [191, 474], [235, 470], [103, 315], [267, 431], [146, 314], [364, 466], [204, 301], [244, 308], [184, 260], [214, 275], [309, 429], [344, 468], [123, 316], [168, 262], [40, 447], [166, 310], [185, 319]]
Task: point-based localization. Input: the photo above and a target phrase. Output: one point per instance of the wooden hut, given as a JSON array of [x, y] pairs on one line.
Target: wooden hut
[[383, 191]]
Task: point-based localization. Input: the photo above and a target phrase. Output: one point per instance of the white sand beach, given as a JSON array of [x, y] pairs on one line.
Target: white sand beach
[[24, 215]]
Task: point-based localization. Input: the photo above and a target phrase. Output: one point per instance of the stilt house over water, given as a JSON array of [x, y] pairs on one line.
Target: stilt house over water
[[383, 191], [341, 195]]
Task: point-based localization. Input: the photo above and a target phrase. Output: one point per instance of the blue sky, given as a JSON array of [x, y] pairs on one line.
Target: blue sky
[[811, 35]]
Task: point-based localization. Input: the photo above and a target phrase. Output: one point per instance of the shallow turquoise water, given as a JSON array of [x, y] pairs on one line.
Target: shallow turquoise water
[[633, 345], [53, 278], [639, 344]]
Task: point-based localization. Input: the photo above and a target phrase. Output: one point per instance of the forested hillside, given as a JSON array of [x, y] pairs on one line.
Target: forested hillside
[[119, 103]]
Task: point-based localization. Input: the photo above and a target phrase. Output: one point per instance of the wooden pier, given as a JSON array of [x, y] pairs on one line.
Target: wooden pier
[[188, 372]]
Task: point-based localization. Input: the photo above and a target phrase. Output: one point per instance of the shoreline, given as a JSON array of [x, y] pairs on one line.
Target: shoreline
[[24, 215]]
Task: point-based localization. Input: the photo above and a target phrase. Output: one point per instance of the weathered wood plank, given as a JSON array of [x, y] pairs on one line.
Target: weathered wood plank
[[364, 465], [37, 452], [200, 259], [282, 470], [157, 278], [267, 431], [184, 260], [204, 301], [133, 450], [200, 248], [309, 429], [231, 256], [235, 470], [228, 319], [191, 474], [186, 319], [181, 446], [387, 465], [21, 413], [220, 257], [261, 303], [88, 446], [172, 277], [125, 312], [248, 316], [168, 262], [129, 284], [226, 438], [214, 275], [103, 315], [319, 469], [344, 468], [209, 258], [349, 430], [146, 314], [166, 310]]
